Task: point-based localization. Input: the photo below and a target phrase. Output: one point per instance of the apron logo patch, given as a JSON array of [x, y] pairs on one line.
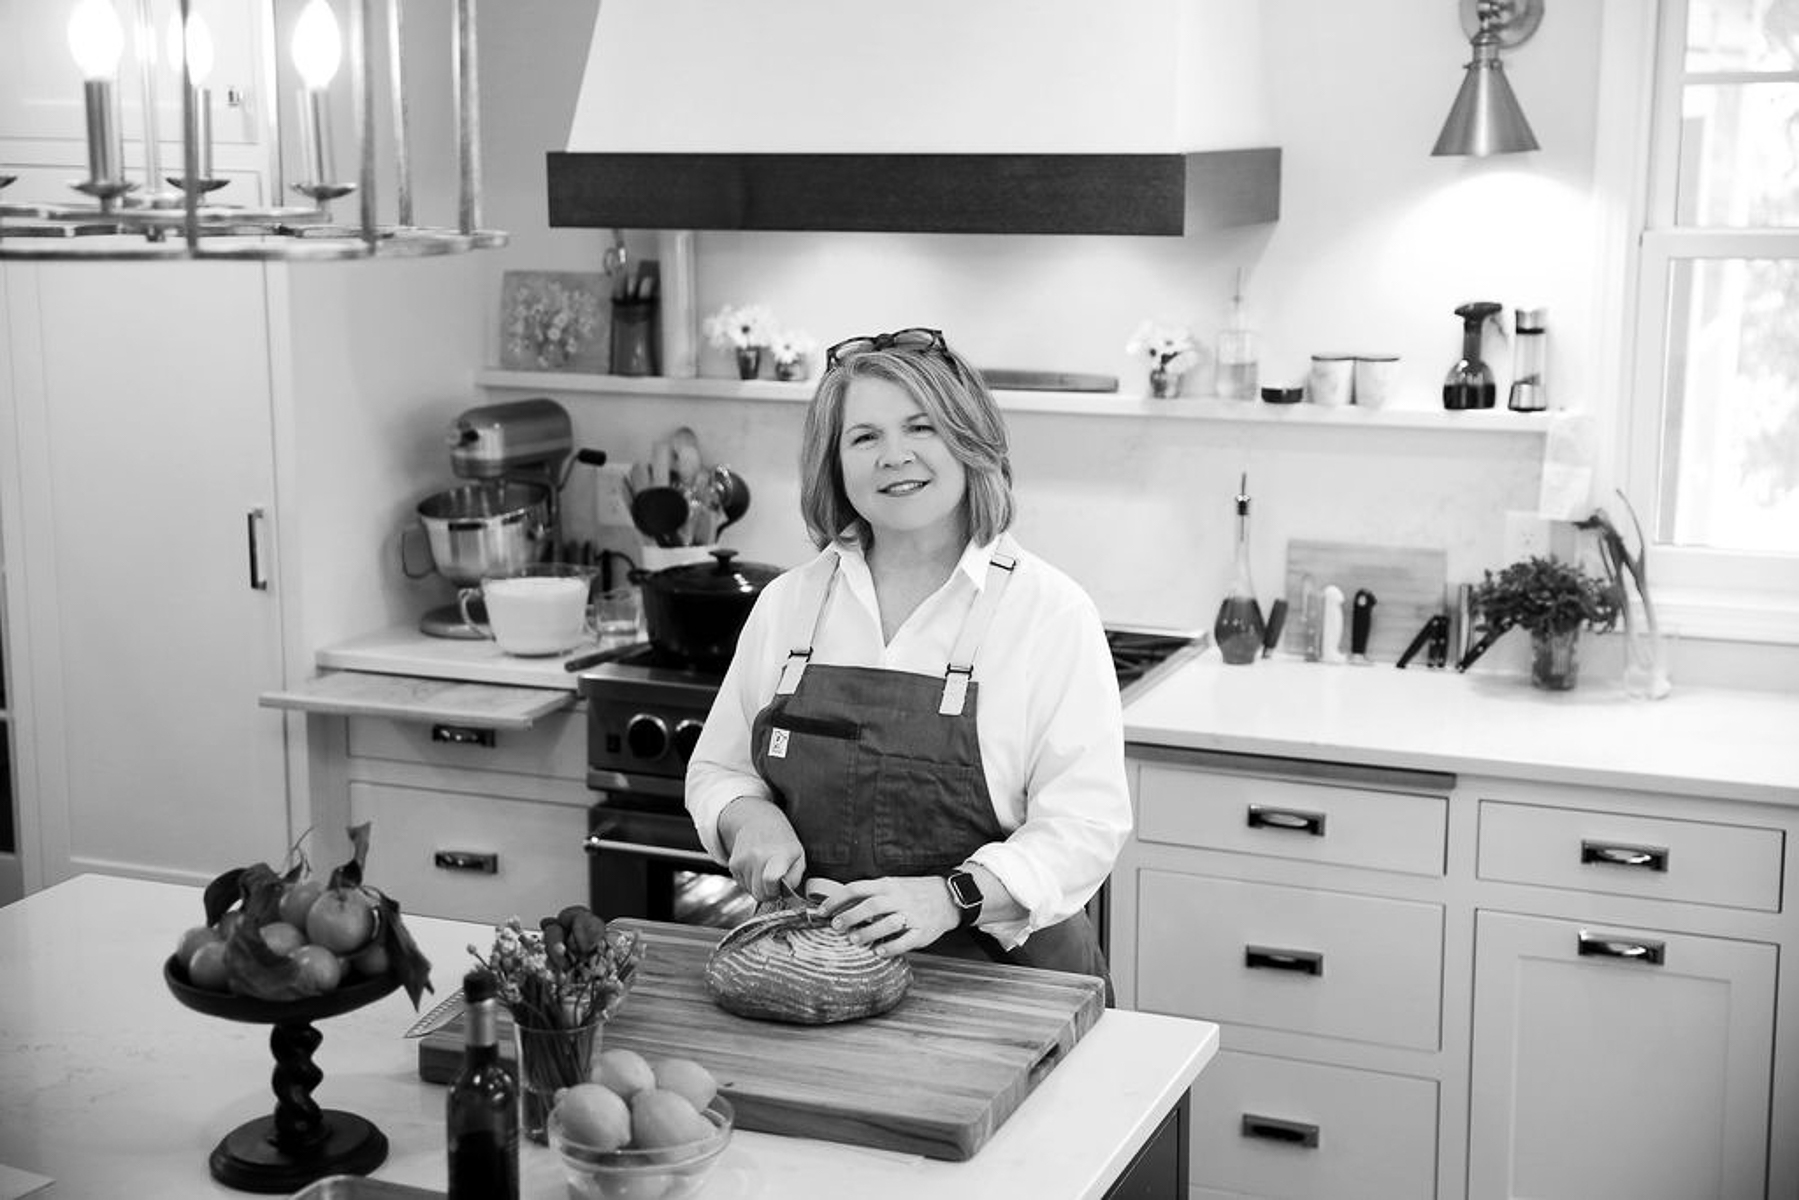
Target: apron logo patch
[[777, 743]]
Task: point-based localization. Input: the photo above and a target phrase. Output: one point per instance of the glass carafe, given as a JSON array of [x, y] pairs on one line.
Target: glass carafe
[[1238, 628]]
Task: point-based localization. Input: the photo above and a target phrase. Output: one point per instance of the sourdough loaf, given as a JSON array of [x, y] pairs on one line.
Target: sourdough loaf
[[782, 967]]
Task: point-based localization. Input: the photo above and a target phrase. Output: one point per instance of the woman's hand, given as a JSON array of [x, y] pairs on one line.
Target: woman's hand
[[763, 848], [893, 914]]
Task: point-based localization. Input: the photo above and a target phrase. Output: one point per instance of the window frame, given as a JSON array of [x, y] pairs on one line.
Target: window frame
[[1701, 592]]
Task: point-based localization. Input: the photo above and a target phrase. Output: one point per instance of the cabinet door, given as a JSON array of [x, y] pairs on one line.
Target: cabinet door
[[142, 395], [1618, 1064]]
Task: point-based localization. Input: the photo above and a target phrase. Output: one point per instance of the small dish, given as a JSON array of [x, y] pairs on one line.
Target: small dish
[[671, 1173]]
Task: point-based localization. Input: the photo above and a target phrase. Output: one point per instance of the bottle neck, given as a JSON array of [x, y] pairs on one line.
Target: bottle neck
[[483, 1019], [1471, 340]]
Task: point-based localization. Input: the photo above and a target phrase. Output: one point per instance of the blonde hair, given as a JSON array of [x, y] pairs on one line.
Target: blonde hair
[[967, 418]]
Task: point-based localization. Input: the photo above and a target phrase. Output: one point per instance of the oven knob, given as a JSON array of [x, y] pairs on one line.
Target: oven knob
[[687, 736], [647, 736]]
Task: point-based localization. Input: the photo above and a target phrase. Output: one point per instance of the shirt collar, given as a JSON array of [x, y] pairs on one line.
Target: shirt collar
[[973, 565]]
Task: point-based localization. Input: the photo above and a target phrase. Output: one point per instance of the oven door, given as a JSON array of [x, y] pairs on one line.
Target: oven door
[[646, 861]]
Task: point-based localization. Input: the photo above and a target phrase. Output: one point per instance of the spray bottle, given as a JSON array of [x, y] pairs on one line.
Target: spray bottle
[[1469, 383]]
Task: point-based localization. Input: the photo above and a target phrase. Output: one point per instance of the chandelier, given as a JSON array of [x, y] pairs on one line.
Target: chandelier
[[148, 212]]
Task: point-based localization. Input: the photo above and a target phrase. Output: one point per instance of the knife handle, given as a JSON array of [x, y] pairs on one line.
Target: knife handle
[[1277, 618], [1417, 644], [1481, 647], [1360, 622]]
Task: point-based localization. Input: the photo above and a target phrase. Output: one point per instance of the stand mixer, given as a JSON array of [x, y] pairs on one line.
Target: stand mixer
[[518, 454]]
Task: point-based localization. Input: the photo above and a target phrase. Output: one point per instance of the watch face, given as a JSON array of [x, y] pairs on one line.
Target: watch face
[[963, 890]]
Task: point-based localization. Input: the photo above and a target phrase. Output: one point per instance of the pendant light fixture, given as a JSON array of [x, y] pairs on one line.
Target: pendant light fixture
[[1486, 118], [135, 214]]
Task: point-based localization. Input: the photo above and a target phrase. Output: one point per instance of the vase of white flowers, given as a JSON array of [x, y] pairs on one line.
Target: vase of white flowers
[[1171, 352], [561, 983], [792, 351], [746, 332]]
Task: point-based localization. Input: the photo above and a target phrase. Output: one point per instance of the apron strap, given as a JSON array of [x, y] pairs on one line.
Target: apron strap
[[960, 671], [799, 656]]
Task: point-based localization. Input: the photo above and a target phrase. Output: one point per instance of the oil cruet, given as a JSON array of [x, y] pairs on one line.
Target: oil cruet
[[1238, 628]]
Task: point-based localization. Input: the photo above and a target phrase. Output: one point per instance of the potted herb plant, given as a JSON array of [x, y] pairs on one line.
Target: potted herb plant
[[1554, 600]]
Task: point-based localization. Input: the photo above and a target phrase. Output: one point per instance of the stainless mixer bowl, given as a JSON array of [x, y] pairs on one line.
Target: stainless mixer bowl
[[482, 529]]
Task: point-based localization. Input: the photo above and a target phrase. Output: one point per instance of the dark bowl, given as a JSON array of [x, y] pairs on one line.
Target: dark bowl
[[252, 1011]]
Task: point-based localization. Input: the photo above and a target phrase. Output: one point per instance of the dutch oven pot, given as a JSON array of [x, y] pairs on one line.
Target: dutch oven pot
[[695, 611], [483, 529]]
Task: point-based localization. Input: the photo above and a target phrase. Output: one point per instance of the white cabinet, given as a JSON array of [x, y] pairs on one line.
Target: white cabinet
[[42, 121], [472, 823], [1293, 904], [141, 567], [1618, 1063]]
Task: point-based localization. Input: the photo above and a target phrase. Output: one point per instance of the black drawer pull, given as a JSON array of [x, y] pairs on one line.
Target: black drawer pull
[[462, 735], [1643, 950], [1617, 854], [1273, 1129], [467, 860], [1263, 817], [1269, 958]]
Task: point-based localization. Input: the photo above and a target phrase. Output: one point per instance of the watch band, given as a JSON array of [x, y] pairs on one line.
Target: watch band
[[965, 894]]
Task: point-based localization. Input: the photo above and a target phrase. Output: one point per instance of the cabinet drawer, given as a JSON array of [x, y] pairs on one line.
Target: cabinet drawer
[[1694, 862], [1326, 963], [1324, 823], [1275, 1127], [555, 747], [473, 858]]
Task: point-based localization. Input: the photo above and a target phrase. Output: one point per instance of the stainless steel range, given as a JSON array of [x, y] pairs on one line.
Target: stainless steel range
[[644, 714]]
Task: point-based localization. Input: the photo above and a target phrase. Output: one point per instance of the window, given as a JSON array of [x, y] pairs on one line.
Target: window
[[1712, 459]]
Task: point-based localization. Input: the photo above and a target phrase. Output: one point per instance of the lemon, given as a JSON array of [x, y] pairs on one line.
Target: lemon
[[624, 1071], [688, 1078], [595, 1116]]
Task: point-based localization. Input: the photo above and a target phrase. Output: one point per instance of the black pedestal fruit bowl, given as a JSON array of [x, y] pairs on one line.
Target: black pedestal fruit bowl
[[299, 1142]]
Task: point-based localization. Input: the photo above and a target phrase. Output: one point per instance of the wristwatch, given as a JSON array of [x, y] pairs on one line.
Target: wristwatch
[[965, 894]]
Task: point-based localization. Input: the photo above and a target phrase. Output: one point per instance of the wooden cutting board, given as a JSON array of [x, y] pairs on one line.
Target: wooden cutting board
[[934, 1076], [1407, 583]]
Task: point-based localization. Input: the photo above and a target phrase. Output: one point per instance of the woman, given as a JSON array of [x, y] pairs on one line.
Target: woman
[[923, 712]]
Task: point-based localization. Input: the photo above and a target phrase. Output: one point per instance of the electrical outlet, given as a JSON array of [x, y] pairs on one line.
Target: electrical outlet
[[1532, 535], [612, 495]]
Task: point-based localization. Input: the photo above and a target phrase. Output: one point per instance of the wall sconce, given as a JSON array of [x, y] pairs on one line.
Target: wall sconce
[[1486, 118], [133, 219]]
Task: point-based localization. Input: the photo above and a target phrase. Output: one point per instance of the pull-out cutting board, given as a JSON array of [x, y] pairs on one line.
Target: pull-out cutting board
[[935, 1076]]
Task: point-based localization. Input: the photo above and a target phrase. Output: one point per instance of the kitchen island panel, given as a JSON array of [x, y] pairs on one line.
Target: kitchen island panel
[[113, 1088]]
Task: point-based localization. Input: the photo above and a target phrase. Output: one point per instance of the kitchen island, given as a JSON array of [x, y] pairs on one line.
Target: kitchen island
[[112, 1088]]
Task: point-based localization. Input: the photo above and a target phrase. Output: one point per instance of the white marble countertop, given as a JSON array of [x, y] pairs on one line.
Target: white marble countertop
[[1727, 744], [112, 1088]]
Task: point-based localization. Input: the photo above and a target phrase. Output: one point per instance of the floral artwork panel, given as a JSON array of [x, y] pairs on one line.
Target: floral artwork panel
[[555, 321]]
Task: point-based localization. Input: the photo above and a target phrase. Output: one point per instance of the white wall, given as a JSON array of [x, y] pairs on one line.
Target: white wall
[[1377, 242]]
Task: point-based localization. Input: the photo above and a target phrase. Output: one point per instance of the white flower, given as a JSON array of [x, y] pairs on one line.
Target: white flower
[[791, 346], [1169, 347], [748, 328]]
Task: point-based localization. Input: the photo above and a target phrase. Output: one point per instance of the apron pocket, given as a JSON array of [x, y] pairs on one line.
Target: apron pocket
[[811, 764], [929, 816], [827, 727]]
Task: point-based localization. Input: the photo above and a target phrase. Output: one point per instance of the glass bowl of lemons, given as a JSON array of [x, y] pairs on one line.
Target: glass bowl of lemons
[[658, 1143]]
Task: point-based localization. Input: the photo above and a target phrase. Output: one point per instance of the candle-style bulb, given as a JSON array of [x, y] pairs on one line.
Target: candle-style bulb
[[96, 39], [198, 49], [317, 47]]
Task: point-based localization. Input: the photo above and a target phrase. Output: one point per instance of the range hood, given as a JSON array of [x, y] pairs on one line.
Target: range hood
[[932, 116]]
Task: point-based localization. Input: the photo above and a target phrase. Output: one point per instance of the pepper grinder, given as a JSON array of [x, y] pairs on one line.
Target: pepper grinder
[[1529, 353]]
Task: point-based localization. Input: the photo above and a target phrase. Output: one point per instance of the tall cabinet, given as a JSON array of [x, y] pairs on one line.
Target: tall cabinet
[[141, 566]]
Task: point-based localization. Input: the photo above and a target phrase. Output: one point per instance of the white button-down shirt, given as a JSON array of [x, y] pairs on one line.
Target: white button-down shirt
[[1049, 719]]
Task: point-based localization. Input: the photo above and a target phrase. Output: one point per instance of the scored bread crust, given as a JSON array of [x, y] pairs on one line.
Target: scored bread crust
[[781, 967]]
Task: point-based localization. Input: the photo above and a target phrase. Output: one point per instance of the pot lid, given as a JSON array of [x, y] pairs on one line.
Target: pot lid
[[722, 576]]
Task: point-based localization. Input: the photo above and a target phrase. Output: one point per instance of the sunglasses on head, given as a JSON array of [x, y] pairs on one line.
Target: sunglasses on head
[[917, 338]]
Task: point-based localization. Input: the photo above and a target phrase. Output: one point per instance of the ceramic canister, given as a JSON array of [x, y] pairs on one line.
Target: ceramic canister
[[1331, 380], [1374, 379]]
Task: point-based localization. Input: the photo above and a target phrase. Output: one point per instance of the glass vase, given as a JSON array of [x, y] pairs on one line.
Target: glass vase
[[1554, 665], [749, 362], [549, 1060], [1163, 383]]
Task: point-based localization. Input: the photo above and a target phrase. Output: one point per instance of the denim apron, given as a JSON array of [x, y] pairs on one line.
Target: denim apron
[[880, 773]]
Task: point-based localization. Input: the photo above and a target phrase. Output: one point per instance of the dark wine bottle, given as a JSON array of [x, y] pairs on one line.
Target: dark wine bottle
[[482, 1110]]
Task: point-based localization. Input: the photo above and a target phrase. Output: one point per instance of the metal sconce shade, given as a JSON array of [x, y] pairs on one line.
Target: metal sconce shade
[[1486, 118]]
